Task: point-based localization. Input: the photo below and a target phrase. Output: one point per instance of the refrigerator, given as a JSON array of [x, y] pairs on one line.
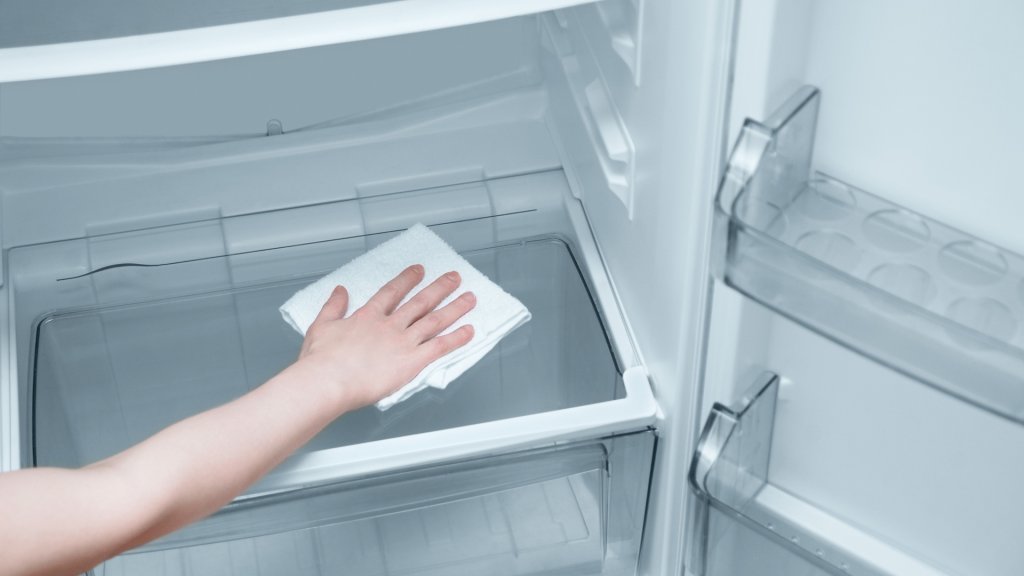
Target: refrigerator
[[771, 249]]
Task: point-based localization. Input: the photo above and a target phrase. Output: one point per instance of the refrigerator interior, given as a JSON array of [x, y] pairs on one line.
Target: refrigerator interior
[[629, 107], [183, 203]]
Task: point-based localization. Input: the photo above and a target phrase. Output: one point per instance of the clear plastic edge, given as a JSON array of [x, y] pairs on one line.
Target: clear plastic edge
[[635, 411], [729, 474]]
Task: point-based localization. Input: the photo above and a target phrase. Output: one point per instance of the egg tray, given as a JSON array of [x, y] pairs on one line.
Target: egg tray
[[936, 303]]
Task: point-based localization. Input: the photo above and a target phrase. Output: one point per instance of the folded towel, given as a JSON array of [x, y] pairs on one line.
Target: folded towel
[[496, 314]]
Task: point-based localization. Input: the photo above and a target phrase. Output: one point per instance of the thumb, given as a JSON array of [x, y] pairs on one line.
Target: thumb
[[335, 307]]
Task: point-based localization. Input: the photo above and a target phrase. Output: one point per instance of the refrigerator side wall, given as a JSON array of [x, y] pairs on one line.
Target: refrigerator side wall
[[671, 106]]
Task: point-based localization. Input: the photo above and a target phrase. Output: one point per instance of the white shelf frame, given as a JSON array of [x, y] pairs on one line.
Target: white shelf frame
[[391, 18]]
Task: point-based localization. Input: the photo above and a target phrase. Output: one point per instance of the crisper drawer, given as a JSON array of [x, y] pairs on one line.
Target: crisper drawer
[[576, 509], [127, 332], [108, 377]]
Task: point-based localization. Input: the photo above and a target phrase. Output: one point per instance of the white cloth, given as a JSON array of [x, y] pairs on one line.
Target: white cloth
[[496, 314]]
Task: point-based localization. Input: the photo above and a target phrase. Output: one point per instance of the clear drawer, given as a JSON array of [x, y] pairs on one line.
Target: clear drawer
[[132, 331], [569, 510]]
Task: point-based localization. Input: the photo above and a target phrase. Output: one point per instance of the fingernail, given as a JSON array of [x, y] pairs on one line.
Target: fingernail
[[417, 268], [469, 297], [453, 276]]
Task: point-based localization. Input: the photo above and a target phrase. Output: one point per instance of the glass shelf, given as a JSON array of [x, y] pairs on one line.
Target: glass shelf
[[48, 39], [107, 378], [930, 301], [746, 524]]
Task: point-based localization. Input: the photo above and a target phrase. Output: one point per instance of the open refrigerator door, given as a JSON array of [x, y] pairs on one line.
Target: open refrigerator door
[[861, 408]]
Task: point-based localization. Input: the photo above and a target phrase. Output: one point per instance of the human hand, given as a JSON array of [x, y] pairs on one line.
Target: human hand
[[382, 346]]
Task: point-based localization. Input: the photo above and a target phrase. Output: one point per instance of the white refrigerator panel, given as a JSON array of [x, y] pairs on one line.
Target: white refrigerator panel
[[40, 40]]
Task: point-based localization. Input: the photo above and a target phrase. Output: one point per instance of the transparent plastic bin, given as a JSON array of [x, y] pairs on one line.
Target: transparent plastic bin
[[932, 302], [747, 524], [576, 509], [123, 332], [740, 549], [109, 377]]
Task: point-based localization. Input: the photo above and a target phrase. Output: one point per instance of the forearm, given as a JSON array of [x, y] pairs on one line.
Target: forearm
[[198, 465], [55, 521], [181, 474]]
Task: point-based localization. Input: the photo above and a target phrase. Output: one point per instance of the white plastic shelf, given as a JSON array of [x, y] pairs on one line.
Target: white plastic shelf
[[49, 39], [932, 302]]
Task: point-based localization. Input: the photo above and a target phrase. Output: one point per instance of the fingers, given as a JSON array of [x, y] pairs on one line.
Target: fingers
[[439, 320], [438, 347], [335, 307], [388, 297], [423, 303]]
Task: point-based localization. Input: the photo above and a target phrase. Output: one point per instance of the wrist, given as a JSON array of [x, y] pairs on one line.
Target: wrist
[[311, 377]]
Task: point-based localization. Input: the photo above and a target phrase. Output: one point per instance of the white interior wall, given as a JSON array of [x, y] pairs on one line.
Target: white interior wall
[[770, 58], [299, 88], [922, 104], [920, 100], [922, 469]]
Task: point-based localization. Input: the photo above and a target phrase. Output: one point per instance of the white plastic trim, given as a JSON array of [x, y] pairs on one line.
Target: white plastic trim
[[637, 410], [258, 37], [605, 127], [10, 439], [606, 120]]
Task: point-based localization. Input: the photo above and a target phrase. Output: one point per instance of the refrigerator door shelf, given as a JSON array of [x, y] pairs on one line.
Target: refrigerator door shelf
[[744, 520], [932, 302], [128, 35], [575, 508]]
